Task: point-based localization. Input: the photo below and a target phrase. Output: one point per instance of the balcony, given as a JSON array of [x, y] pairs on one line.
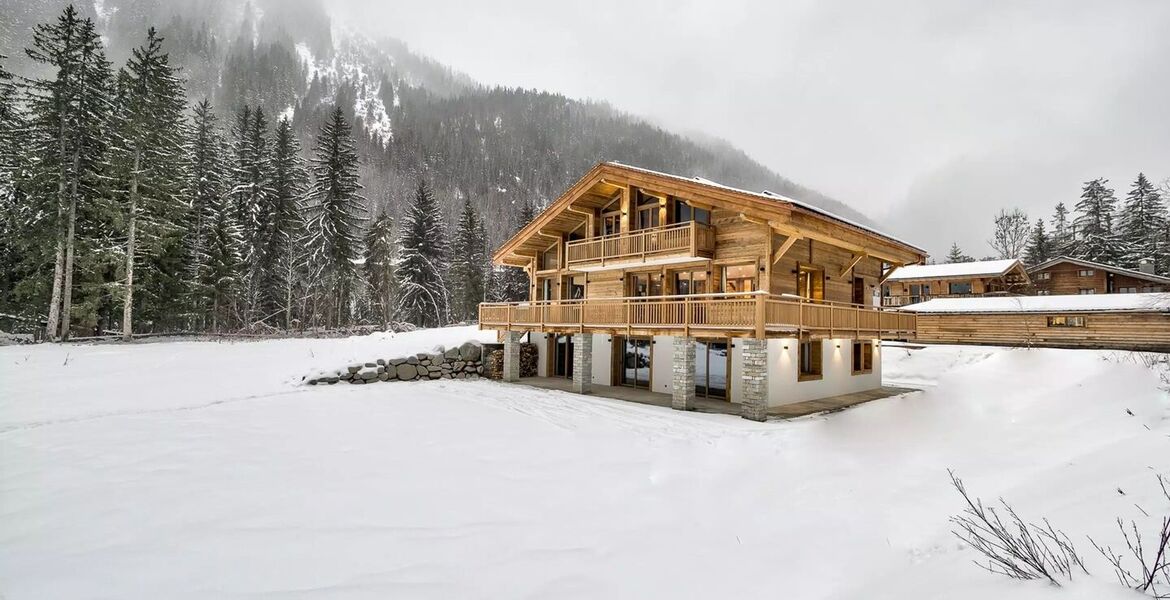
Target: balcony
[[681, 242], [757, 315]]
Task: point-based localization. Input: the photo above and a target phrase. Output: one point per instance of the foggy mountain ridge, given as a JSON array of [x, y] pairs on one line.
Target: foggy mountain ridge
[[497, 146]]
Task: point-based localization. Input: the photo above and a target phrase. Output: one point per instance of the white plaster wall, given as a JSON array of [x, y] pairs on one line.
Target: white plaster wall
[[602, 359], [541, 352], [661, 371], [838, 378]]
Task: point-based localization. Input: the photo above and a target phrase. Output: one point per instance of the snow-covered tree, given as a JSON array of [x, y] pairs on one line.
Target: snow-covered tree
[[335, 210], [222, 277], [149, 146], [1095, 238], [422, 267], [278, 255], [468, 265], [1061, 230], [1039, 248], [205, 191], [1143, 224], [956, 255], [1010, 234], [381, 251], [510, 284], [68, 118]]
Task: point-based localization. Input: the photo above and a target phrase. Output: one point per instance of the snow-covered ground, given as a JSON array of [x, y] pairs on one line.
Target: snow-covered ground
[[203, 470]]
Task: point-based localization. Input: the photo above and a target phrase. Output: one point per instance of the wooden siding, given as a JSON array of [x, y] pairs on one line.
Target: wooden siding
[[1116, 330], [1064, 279]]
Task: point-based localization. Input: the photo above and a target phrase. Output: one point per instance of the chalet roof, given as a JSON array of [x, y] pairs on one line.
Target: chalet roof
[[980, 268], [1047, 304], [1088, 264], [770, 195], [597, 187]]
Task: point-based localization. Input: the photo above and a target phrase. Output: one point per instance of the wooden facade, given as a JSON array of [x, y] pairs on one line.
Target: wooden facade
[[1121, 330], [635, 252], [1012, 278], [1067, 276]]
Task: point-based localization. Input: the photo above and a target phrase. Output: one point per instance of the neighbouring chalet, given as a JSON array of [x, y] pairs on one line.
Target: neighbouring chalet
[[685, 287], [912, 284], [1066, 276]]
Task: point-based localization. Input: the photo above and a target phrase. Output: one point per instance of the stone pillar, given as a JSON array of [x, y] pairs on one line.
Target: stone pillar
[[582, 363], [512, 355], [682, 368], [755, 379]]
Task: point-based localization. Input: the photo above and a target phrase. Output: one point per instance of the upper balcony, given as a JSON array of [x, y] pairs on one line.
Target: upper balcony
[[680, 242]]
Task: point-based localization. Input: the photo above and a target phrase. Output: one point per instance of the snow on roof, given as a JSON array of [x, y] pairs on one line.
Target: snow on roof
[[1047, 304], [772, 196], [1096, 265], [981, 268]]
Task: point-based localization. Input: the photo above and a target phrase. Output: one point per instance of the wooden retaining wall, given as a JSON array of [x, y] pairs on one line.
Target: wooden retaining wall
[[1148, 331]]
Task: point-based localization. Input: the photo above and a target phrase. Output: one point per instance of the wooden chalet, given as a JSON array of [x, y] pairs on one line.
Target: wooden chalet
[[1065, 275], [912, 284], [637, 258]]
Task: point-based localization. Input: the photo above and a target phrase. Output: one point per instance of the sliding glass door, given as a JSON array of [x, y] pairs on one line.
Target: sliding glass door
[[711, 367], [563, 356], [635, 362]]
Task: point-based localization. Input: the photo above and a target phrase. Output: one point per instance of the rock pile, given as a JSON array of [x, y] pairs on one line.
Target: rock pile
[[463, 362]]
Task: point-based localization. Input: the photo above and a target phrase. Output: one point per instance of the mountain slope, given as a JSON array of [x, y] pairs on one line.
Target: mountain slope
[[497, 146]]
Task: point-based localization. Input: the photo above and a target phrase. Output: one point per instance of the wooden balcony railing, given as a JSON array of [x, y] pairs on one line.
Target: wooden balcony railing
[[757, 315], [681, 239]]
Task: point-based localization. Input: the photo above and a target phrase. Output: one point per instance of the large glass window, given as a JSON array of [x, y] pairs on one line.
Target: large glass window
[[691, 282], [711, 359], [645, 284], [810, 283], [739, 278], [575, 287], [635, 362], [959, 288], [648, 212], [684, 213], [611, 222], [549, 259], [862, 357]]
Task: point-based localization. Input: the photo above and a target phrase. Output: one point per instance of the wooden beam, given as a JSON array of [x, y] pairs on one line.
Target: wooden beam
[[890, 271], [852, 263], [784, 248], [548, 235], [627, 192]]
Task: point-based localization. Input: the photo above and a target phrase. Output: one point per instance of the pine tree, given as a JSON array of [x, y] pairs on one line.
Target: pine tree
[[1143, 224], [69, 116], [468, 262], [1061, 231], [222, 278], [422, 266], [1039, 248], [381, 250], [512, 282], [281, 226], [206, 191], [957, 256], [150, 148], [1095, 236], [335, 208]]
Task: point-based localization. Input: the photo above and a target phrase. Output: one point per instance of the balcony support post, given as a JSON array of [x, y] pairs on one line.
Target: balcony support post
[[682, 385], [755, 379], [761, 314], [512, 355], [582, 363]]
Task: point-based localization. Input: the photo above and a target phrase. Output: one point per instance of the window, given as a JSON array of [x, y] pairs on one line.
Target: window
[[862, 357], [576, 287], [549, 259], [1151, 288], [684, 212], [690, 282], [1066, 321], [810, 360], [959, 288], [1085, 273], [611, 222], [739, 278], [1042, 292], [1086, 291], [647, 215], [546, 288], [810, 283], [1127, 290], [1043, 276], [645, 284]]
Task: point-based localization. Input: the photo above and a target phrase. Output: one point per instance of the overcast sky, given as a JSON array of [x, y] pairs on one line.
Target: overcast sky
[[927, 115]]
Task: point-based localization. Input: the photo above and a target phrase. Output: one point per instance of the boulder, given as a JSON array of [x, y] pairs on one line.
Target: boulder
[[470, 351], [422, 355], [434, 369], [381, 362], [397, 361], [383, 376], [435, 375], [453, 353], [458, 365], [421, 370], [354, 368], [436, 358], [469, 369], [371, 364], [412, 360], [406, 372]]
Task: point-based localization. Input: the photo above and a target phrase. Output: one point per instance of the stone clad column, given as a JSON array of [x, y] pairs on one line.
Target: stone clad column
[[512, 355], [582, 363], [682, 385], [755, 379]]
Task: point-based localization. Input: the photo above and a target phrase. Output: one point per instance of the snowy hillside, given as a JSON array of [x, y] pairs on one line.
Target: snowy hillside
[[203, 470]]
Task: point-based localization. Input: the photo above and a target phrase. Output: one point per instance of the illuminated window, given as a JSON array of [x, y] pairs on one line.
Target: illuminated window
[[862, 357], [739, 278], [810, 360], [1066, 321]]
